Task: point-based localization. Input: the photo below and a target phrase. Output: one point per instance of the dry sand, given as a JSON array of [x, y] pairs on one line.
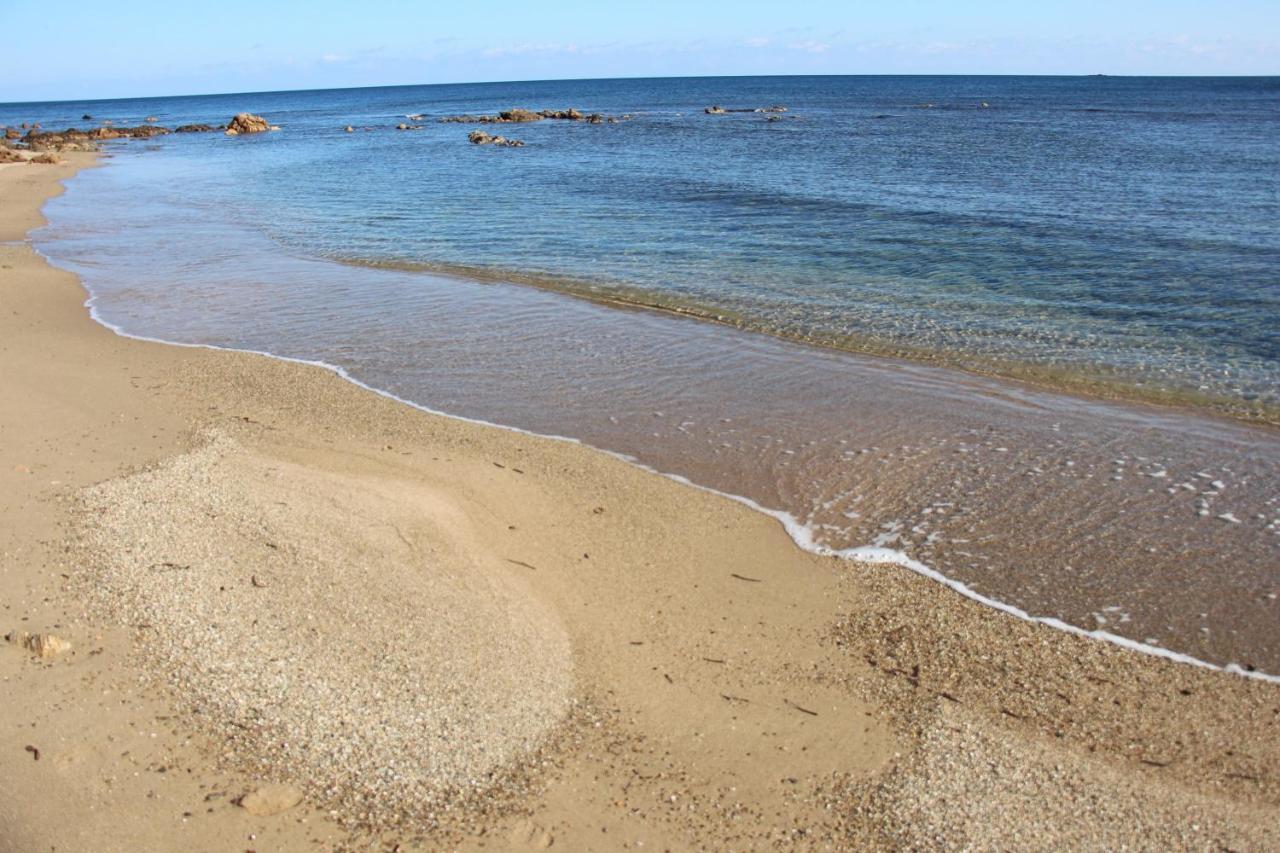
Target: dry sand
[[394, 628]]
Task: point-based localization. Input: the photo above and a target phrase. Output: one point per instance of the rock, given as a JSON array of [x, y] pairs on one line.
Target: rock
[[247, 123], [12, 133], [563, 115], [144, 131], [719, 110], [193, 128], [40, 645], [270, 800], [479, 137], [349, 129], [46, 159], [104, 133], [86, 117], [518, 115], [8, 155], [595, 118]]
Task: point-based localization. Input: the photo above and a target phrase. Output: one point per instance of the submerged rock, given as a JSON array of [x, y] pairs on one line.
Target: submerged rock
[[718, 110], [193, 128]]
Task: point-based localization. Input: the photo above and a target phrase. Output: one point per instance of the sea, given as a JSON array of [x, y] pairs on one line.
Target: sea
[[1019, 334]]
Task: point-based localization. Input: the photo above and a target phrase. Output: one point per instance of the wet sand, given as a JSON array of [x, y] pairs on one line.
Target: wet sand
[[270, 575]]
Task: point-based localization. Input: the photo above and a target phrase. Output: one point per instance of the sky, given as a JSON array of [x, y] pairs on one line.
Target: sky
[[82, 50]]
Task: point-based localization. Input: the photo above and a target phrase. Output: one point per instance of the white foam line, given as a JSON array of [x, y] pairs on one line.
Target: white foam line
[[801, 535]]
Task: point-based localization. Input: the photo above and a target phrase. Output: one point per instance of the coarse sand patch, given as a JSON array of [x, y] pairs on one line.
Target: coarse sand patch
[[348, 629]]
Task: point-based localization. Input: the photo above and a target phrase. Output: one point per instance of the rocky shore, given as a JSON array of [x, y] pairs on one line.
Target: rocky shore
[[33, 138]]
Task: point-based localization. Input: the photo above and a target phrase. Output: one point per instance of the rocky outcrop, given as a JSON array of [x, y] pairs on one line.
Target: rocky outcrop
[[244, 123], [145, 131], [74, 139], [12, 133], [518, 115], [479, 137], [718, 110], [193, 128]]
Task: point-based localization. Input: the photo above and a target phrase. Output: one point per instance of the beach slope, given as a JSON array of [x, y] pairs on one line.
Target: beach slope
[[291, 613]]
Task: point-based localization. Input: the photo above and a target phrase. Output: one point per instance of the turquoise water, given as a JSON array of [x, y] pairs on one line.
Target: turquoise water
[[1122, 229]]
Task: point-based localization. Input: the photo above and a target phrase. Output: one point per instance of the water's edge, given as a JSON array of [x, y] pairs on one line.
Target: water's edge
[[1096, 384], [800, 535]]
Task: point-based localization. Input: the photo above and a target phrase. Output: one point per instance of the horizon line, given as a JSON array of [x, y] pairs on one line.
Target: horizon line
[[630, 77]]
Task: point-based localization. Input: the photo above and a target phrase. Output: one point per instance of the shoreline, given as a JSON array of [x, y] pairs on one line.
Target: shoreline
[[827, 633], [800, 534]]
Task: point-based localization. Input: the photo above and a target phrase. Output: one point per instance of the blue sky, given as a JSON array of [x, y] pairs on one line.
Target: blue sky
[[74, 50]]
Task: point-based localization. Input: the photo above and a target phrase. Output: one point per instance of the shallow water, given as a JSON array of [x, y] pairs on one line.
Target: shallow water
[[1159, 525]]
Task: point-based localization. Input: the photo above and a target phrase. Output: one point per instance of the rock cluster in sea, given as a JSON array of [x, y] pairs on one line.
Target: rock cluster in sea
[[717, 110], [518, 115], [479, 137]]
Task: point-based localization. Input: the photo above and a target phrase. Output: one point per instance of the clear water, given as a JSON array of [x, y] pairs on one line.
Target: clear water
[[1115, 229], [1132, 243]]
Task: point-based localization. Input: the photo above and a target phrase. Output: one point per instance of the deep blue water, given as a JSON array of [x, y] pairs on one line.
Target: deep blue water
[[1112, 227]]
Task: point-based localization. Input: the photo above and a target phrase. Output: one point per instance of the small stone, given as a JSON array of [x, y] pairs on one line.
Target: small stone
[[270, 800], [40, 645]]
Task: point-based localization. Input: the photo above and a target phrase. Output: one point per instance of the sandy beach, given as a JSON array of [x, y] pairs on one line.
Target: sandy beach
[[302, 615]]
